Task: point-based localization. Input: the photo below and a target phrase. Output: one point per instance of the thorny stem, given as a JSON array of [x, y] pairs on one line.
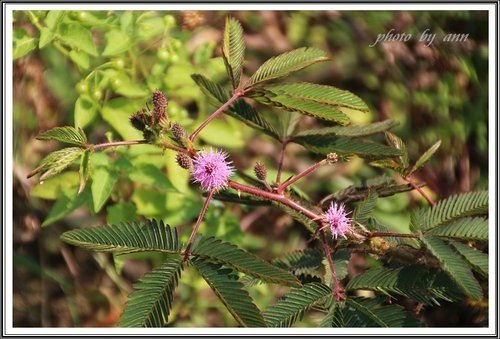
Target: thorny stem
[[274, 196], [419, 190], [238, 93], [283, 186], [338, 292], [280, 163], [198, 223]]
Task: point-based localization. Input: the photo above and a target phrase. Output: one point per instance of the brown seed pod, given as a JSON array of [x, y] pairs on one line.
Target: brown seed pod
[[260, 171], [184, 160]]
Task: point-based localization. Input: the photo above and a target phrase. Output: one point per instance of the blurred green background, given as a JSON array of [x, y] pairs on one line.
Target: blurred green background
[[94, 69]]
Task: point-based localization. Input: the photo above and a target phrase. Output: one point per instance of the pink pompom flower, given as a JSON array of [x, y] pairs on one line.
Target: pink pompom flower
[[337, 219], [212, 170]]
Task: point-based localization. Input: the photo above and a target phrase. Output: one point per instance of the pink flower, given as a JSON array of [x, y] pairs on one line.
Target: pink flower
[[211, 170], [337, 220]]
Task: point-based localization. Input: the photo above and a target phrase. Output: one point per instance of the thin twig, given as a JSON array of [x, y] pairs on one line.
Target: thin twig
[[338, 292], [236, 95], [419, 190], [274, 196], [281, 161], [391, 234], [281, 188], [119, 143], [198, 223]]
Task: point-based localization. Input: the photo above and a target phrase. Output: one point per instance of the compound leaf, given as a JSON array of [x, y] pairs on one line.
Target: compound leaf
[[126, 237], [457, 206], [150, 304], [242, 261], [286, 63], [294, 304], [67, 134], [455, 265], [230, 291], [233, 49]]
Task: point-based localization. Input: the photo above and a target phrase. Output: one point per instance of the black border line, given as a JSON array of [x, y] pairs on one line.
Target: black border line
[[354, 2]]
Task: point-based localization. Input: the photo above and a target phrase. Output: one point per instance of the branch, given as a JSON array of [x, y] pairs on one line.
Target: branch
[[283, 186], [282, 159], [198, 223], [391, 234], [274, 196], [119, 143], [419, 190], [236, 95], [338, 292]]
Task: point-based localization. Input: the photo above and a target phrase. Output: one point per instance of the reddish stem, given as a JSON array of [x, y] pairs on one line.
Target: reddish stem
[[281, 161], [419, 190], [283, 186], [236, 95], [338, 292], [198, 223], [274, 196]]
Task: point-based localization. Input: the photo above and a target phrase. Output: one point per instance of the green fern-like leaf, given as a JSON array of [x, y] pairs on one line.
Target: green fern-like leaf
[[242, 261], [308, 107], [84, 169], [230, 291], [469, 228], [233, 49], [419, 283], [365, 208], [455, 265], [126, 237], [351, 130], [150, 304], [328, 95], [398, 143], [346, 146], [383, 186], [294, 304], [384, 316], [67, 134], [364, 312], [457, 206], [426, 156], [301, 262], [286, 63], [239, 110], [56, 162], [476, 259]]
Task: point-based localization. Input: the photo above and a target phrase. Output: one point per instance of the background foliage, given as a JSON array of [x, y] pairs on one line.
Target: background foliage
[[93, 69]]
